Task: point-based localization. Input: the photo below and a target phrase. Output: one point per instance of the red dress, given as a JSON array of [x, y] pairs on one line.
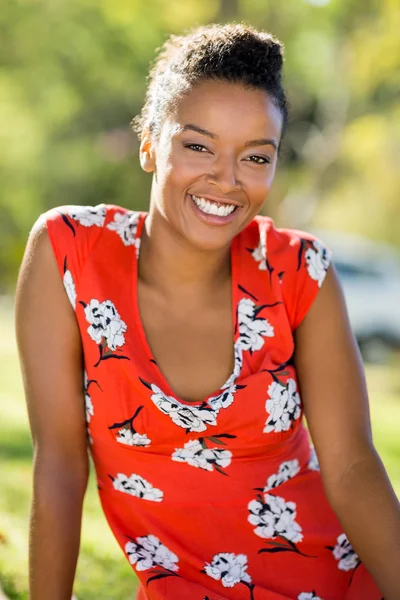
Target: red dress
[[220, 499]]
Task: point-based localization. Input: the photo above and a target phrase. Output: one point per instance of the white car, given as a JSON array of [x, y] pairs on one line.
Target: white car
[[370, 276]]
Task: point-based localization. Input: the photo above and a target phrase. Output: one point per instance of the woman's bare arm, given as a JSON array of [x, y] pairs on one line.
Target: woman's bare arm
[[51, 363], [333, 388]]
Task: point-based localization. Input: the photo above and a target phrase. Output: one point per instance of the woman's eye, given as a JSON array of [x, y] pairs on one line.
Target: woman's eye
[[259, 160], [196, 147]]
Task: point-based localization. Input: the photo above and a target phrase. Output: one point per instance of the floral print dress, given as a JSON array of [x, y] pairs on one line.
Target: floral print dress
[[220, 499]]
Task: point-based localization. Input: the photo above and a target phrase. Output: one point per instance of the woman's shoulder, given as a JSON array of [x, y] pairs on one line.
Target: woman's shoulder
[[281, 238], [286, 245], [76, 231], [75, 224], [86, 215], [298, 258]]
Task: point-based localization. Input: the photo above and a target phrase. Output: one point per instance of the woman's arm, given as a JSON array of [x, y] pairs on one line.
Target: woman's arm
[[333, 389], [51, 363]]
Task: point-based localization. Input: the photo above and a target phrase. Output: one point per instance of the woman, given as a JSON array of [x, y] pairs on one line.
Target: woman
[[191, 331]]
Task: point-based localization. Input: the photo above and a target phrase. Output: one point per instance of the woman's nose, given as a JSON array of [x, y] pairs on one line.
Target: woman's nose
[[224, 176]]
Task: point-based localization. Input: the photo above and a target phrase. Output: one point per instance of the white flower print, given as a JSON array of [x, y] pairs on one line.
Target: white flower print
[[238, 363], [260, 253], [283, 406], [196, 455], [125, 431], [106, 323], [252, 329], [149, 552], [286, 471], [229, 568], [224, 399], [308, 596], [88, 215], [88, 400], [197, 418], [94, 316], [274, 517], [114, 326], [126, 227], [135, 485], [126, 436], [317, 259], [190, 418], [70, 287], [344, 553], [313, 463]]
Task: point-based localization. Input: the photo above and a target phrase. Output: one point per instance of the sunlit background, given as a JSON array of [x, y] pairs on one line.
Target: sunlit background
[[73, 76]]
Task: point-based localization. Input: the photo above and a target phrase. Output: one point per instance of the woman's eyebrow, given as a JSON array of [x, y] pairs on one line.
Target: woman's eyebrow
[[214, 136]]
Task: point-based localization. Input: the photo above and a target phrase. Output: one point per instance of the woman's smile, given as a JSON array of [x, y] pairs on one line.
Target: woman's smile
[[213, 212]]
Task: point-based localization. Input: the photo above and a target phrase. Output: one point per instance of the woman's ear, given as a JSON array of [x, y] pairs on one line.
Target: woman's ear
[[147, 153]]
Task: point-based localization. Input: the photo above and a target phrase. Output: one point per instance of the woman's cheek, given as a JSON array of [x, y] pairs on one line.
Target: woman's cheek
[[186, 170]]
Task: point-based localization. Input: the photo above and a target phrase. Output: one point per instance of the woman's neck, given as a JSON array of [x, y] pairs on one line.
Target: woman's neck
[[170, 264]]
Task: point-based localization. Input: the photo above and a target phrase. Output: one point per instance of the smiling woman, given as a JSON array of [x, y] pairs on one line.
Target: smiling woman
[[211, 172], [182, 346], [215, 125]]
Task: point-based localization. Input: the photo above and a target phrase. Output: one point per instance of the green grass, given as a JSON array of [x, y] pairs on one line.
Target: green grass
[[103, 573]]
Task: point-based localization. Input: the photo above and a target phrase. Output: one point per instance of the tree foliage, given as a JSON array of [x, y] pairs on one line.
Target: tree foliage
[[74, 74]]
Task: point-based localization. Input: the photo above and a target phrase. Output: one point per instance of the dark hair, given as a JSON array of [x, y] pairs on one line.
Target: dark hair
[[234, 52]]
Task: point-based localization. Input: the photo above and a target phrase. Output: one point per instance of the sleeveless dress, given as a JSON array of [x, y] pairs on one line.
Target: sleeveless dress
[[220, 499]]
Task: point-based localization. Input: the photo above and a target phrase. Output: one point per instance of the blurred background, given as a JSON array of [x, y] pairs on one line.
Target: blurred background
[[73, 75]]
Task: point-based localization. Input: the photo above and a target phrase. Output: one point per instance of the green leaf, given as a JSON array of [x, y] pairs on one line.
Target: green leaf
[[217, 468], [216, 441]]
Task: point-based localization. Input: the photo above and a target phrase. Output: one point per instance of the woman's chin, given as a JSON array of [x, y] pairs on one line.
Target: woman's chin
[[208, 241]]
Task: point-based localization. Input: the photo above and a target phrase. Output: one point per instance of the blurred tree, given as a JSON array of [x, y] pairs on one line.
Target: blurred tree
[[73, 75], [228, 11]]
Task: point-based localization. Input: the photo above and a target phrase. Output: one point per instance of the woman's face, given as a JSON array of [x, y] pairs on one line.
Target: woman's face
[[217, 153]]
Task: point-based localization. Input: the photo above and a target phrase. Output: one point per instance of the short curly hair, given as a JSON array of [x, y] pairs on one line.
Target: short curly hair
[[233, 52]]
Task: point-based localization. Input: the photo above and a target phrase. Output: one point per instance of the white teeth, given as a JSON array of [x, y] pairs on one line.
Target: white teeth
[[211, 208], [221, 211]]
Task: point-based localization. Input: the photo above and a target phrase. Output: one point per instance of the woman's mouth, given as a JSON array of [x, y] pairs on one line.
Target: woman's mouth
[[213, 209]]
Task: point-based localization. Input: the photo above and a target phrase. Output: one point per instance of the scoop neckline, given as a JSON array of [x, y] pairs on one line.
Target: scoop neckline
[[164, 385]]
